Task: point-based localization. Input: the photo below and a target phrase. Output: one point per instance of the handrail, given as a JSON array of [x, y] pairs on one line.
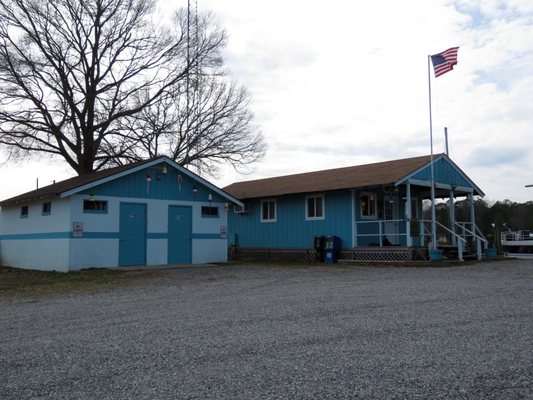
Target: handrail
[[460, 246], [474, 235], [375, 221], [516, 235], [478, 238], [380, 233], [452, 232], [481, 234]]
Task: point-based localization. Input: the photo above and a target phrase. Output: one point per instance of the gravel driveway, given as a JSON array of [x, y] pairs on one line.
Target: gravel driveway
[[264, 332]]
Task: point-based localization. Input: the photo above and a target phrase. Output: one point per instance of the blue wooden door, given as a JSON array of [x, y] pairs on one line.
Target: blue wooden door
[[132, 235], [179, 235]]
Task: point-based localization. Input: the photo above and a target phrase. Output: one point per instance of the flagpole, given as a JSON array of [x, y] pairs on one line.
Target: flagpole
[[433, 224]]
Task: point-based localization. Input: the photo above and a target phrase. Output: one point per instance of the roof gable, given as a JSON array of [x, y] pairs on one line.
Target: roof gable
[[80, 184], [445, 172]]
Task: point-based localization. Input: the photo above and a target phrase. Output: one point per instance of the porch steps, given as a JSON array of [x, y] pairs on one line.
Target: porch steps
[[451, 252]]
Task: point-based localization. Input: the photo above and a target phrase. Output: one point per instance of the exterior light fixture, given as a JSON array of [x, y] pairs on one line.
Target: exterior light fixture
[[165, 170]]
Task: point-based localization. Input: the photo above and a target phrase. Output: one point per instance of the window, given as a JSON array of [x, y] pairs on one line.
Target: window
[[47, 208], [315, 207], [368, 205], [268, 211], [209, 212], [95, 206], [24, 212]]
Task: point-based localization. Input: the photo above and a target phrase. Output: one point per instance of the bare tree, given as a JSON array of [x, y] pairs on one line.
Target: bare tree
[[75, 73], [210, 127]]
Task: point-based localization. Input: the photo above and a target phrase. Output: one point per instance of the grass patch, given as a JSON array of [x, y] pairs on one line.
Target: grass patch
[[20, 281]]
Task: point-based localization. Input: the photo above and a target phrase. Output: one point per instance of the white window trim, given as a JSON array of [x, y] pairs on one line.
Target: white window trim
[[275, 219], [314, 196], [375, 216]]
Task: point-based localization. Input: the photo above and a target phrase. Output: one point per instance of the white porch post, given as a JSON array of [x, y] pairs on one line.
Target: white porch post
[[473, 226], [452, 216], [409, 213], [472, 213], [354, 222]]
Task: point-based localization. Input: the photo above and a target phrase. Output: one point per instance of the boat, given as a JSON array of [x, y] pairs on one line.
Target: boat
[[517, 244]]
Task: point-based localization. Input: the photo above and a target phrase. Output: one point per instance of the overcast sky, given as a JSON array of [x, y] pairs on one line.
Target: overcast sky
[[342, 83]]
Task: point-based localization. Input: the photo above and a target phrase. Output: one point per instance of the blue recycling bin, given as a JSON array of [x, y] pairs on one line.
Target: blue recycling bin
[[332, 246]]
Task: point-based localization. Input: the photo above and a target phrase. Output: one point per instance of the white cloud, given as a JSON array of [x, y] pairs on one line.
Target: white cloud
[[341, 83]]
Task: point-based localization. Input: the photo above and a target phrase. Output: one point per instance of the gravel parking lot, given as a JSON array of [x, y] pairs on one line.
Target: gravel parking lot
[[267, 332]]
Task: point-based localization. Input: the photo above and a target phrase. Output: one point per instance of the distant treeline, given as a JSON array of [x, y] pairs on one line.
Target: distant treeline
[[491, 218]]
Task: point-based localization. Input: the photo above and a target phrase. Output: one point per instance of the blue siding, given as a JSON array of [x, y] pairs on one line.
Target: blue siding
[[292, 230], [444, 173], [162, 186]]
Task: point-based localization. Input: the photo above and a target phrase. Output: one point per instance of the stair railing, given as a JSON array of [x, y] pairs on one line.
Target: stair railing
[[479, 238], [460, 246]]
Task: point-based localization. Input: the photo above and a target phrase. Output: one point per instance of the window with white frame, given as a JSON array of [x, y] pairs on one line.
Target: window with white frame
[[314, 207], [368, 203], [268, 210]]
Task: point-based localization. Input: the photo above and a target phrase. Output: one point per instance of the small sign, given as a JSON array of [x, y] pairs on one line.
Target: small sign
[[223, 232], [77, 229]]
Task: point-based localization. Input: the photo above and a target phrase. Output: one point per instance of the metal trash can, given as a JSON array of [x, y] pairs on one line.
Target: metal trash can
[[332, 246], [319, 248]]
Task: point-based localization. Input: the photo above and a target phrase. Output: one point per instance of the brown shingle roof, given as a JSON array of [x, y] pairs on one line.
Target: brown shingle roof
[[56, 189], [359, 176]]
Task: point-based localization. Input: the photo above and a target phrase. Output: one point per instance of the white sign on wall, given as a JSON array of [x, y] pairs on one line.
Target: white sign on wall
[[223, 232], [77, 229]]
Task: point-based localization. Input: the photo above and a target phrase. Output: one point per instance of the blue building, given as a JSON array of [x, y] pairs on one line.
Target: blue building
[[147, 213], [376, 210]]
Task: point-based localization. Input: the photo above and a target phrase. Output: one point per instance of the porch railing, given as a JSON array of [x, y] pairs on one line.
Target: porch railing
[[380, 232], [460, 235]]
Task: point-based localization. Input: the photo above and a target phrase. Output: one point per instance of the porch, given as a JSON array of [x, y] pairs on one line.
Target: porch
[[403, 240], [402, 215]]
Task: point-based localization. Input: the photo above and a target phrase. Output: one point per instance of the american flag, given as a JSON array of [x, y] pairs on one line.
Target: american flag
[[444, 62]]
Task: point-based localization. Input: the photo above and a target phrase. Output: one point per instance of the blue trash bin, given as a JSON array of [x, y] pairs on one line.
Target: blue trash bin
[[332, 246]]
